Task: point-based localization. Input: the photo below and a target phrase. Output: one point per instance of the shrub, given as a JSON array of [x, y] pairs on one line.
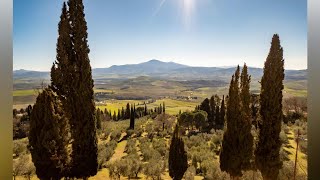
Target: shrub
[[115, 135], [190, 173], [154, 168], [20, 147], [283, 137], [131, 146], [160, 145]]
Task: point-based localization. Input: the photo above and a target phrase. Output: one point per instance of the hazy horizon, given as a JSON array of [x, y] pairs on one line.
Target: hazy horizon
[[205, 33], [231, 66]]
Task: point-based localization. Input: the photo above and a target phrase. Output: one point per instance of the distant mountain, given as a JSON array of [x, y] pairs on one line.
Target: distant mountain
[[26, 74], [150, 67], [167, 70]]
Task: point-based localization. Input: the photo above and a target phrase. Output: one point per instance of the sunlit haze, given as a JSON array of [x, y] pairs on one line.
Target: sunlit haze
[[192, 32]]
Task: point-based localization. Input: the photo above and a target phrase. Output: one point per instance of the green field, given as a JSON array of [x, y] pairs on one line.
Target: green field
[[27, 92]]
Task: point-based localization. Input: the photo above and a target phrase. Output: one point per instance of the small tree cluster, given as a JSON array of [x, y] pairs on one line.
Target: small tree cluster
[[237, 145], [215, 109]]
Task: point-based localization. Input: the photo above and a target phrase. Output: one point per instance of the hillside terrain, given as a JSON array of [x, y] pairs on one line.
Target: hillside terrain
[[155, 79]]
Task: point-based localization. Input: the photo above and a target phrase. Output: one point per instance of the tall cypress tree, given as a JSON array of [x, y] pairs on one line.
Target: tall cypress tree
[[178, 161], [145, 110], [268, 148], [81, 106], [61, 70], [230, 160], [127, 113], [131, 126], [211, 117], [246, 138], [220, 122], [164, 108], [122, 113], [217, 116], [49, 137], [119, 115]]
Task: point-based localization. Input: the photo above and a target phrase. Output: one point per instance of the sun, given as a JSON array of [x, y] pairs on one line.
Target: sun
[[188, 7]]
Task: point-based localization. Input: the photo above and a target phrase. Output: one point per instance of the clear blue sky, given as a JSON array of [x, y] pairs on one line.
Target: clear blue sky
[[192, 32]]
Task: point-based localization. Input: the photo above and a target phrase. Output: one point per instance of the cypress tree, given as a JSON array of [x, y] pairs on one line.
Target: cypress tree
[[145, 110], [230, 160], [222, 114], [71, 79], [122, 113], [246, 138], [211, 118], [268, 148], [131, 118], [49, 137], [237, 143], [178, 161], [205, 106], [119, 115], [61, 70], [114, 117], [127, 113], [217, 116], [82, 108], [164, 108]]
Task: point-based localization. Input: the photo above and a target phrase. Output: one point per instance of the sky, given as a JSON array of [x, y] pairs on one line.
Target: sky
[[208, 33]]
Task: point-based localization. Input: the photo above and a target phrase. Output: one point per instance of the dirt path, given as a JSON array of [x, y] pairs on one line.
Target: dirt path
[[302, 165], [119, 151]]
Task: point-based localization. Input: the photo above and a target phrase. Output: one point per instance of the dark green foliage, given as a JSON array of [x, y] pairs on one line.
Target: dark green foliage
[[119, 115], [236, 153], [268, 148], [132, 117], [178, 161], [114, 116], [217, 115], [71, 77], [220, 121], [245, 136], [254, 109], [211, 117], [122, 113], [205, 106], [197, 119], [145, 110], [127, 113], [29, 110], [15, 112], [48, 137], [164, 108]]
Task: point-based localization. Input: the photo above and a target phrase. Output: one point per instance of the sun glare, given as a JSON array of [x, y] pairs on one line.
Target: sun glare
[[188, 9]]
